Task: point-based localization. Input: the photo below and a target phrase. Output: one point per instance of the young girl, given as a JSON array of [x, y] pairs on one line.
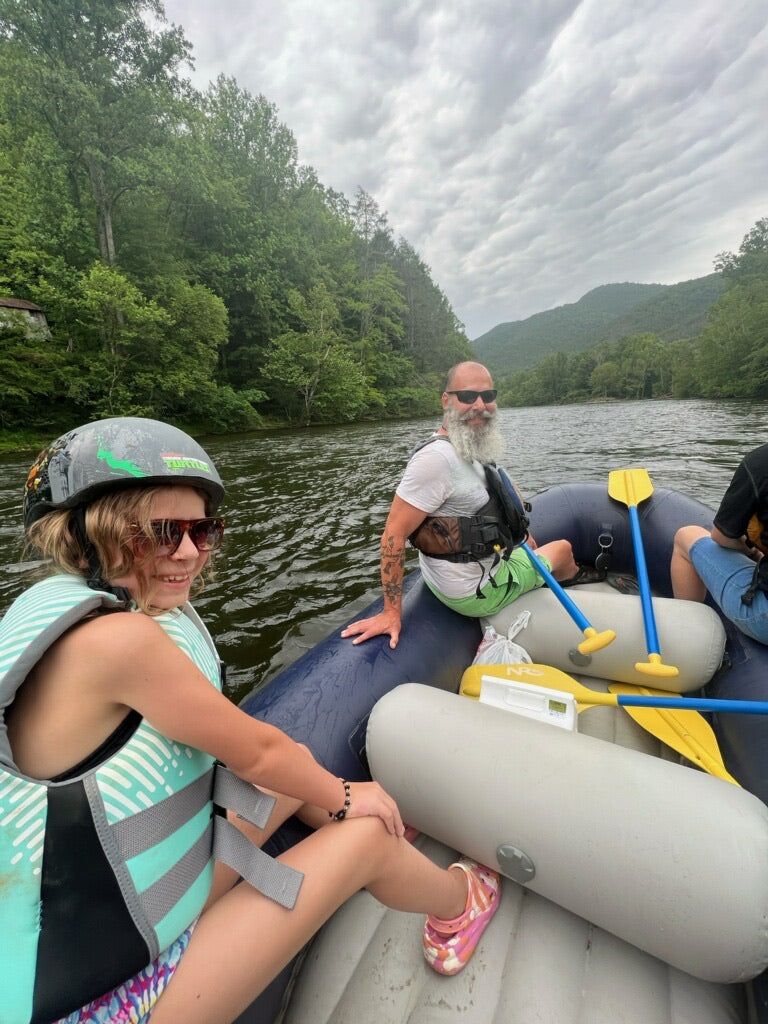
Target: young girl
[[118, 863]]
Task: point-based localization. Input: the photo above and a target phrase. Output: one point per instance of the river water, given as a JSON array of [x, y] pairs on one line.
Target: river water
[[305, 508]]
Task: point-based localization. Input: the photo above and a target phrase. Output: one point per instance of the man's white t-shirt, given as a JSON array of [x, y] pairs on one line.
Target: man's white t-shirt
[[439, 482]]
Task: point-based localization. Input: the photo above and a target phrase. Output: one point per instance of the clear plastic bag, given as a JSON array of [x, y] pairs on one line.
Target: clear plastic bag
[[496, 649]]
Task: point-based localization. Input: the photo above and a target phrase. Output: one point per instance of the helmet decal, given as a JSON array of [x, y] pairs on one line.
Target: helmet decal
[[184, 462], [124, 465], [34, 477]]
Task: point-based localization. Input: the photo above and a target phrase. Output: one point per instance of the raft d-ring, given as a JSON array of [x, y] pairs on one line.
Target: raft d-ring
[[603, 560]]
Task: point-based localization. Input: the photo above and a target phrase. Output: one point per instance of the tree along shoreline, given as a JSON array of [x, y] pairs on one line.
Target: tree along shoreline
[[189, 267], [35, 439]]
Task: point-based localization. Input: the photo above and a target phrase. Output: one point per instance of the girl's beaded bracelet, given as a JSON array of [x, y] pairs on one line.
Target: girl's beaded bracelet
[[341, 815]]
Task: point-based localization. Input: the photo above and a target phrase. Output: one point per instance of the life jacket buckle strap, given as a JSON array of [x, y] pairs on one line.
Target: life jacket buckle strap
[[759, 582], [235, 794], [270, 877]]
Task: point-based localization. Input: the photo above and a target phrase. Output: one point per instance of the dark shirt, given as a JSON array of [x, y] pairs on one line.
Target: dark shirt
[[744, 508]]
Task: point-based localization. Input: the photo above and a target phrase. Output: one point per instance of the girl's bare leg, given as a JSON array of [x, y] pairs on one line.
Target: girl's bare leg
[[244, 940]]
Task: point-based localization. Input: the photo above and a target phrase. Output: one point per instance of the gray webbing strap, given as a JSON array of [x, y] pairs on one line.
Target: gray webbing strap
[[151, 825], [235, 794], [270, 877], [162, 896]]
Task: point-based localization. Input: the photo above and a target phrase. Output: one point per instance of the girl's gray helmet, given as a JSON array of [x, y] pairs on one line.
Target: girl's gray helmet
[[106, 455]]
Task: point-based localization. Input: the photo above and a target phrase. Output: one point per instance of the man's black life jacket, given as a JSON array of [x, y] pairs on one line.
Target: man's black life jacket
[[496, 528]]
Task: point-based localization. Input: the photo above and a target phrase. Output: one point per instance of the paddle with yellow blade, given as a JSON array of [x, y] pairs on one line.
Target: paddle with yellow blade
[[684, 731], [671, 718], [632, 486], [593, 641]]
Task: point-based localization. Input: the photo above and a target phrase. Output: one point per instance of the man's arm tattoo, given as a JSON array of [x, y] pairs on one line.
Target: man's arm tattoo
[[392, 567]]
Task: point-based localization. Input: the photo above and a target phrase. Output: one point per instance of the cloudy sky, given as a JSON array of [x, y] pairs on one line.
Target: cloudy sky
[[529, 150]]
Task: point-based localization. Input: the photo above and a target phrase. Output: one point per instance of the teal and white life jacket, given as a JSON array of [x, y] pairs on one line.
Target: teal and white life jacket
[[101, 872]]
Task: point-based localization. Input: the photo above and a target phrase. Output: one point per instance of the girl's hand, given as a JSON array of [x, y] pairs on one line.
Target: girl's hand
[[368, 799]]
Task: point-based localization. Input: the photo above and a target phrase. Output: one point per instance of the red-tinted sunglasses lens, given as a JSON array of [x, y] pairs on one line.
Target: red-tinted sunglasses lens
[[205, 534]]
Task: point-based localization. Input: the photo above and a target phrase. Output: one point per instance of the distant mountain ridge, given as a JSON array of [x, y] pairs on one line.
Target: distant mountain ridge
[[606, 313]]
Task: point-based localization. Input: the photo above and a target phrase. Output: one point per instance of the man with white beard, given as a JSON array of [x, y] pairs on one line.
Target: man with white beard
[[438, 503]]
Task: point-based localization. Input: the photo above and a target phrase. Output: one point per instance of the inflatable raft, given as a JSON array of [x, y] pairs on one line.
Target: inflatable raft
[[636, 883]]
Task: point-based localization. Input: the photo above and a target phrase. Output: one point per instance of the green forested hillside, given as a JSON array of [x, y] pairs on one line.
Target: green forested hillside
[[727, 358], [679, 311], [611, 311], [190, 268]]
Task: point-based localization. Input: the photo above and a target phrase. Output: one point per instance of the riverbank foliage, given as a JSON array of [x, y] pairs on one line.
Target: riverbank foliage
[[728, 359], [189, 267]]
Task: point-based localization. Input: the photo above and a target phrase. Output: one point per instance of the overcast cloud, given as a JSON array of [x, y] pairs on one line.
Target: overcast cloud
[[529, 151]]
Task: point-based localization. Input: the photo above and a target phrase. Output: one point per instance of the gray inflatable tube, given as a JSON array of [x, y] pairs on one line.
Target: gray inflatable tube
[[669, 859]]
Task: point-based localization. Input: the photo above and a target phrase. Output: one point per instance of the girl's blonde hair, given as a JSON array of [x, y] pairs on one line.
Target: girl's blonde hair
[[112, 522]]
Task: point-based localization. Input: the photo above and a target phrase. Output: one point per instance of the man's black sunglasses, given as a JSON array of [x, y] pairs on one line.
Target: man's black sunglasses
[[468, 397]]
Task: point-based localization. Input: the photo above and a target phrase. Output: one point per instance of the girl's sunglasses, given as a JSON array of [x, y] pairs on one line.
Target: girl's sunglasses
[[167, 535]]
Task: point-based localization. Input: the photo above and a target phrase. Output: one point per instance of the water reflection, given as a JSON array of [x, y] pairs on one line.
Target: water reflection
[[305, 508]]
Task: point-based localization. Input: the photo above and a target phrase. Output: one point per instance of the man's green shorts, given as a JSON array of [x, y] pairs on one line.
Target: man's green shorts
[[517, 569]]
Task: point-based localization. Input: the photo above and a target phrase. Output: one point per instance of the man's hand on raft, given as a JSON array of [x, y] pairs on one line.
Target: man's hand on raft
[[386, 622]]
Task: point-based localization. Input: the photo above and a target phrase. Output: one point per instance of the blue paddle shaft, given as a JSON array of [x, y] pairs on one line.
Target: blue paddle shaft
[[581, 620], [747, 707], [649, 620]]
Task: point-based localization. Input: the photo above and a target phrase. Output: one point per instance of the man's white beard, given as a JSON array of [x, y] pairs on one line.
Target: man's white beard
[[482, 443]]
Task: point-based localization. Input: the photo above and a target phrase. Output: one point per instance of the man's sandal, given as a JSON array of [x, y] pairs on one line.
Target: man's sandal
[[586, 574]]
